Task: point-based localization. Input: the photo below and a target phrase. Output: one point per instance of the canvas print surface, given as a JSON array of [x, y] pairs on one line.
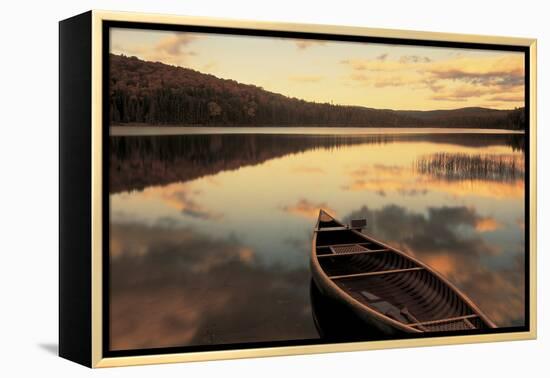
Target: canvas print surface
[[269, 189]]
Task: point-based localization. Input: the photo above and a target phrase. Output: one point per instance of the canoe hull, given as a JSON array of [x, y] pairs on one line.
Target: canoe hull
[[384, 287], [358, 310]]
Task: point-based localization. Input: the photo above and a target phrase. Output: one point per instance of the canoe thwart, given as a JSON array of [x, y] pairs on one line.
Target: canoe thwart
[[392, 271]]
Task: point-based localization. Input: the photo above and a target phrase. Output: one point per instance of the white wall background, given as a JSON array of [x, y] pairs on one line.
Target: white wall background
[[28, 158]]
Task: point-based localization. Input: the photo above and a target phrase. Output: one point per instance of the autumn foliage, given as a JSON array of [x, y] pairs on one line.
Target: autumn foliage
[[144, 92]]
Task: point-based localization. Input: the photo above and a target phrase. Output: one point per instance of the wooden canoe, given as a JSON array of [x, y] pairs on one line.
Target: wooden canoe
[[384, 286]]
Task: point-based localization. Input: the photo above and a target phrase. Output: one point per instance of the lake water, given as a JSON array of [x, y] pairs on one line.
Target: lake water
[[210, 234]]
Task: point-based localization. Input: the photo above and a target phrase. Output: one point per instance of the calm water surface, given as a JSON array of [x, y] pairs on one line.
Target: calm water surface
[[210, 234]]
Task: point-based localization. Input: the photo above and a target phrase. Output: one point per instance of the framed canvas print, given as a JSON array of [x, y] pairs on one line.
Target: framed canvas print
[[234, 189]]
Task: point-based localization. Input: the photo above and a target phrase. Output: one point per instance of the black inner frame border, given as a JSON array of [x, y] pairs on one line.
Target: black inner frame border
[[105, 45]]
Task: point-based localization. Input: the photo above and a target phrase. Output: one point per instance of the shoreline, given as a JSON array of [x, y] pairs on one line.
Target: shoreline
[[295, 130]]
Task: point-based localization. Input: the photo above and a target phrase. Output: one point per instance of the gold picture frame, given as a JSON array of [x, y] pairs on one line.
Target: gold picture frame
[[92, 25]]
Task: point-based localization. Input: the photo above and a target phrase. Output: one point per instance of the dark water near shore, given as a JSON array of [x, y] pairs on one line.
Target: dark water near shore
[[210, 234]]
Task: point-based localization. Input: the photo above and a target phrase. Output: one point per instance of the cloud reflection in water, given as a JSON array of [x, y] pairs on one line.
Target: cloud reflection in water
[[173, 287]]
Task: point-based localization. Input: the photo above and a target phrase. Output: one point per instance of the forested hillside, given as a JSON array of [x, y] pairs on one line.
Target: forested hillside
[[144, 92]]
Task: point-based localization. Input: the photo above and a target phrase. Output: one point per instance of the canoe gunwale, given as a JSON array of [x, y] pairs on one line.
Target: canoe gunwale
[[353, 253]]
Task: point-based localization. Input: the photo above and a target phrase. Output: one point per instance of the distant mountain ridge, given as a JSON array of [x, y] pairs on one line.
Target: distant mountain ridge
[[143, 92]]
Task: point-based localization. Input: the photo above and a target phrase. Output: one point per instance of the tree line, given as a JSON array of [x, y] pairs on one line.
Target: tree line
[[156, 93]]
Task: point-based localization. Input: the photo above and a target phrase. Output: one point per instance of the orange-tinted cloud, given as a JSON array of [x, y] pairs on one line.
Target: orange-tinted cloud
[[460, 94], [460, 175], [182, 198], [444, 264], [423, 185], [173, 44], [487, 224], [495, 79], [171, 49], [503, 71], [387, 80], [307, 209], [414, 59], [506, 98]]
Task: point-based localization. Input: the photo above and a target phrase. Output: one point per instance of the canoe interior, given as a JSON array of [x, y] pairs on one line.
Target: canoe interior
[[390, 283], [336, 322]]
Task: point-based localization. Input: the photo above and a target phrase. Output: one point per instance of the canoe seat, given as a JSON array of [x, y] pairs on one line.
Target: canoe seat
[[457, 325], [348, 248]]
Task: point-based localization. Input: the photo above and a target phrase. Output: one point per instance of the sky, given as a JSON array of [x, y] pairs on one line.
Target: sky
[[380, 76]]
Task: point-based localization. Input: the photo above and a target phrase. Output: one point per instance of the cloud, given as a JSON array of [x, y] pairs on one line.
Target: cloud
[[414, 59], [375, 65], [182, 198], [504, 72], [449, 98], [507, 98], [307, 209], [306, 78], [171, 49], [437, 231], [412, 192], [487, 224], [377, 169], [384, 80], [433, 84], [175, 287], [173, 44], [457, 175], [495, 79], [459, 94], [303, 44], [479, 188], [392, 81]]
